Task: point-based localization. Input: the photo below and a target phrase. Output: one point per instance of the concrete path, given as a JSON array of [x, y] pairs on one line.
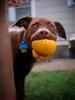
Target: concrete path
[[55, 64]]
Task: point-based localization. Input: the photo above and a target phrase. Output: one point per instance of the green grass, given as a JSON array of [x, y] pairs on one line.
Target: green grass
[[56, 85]]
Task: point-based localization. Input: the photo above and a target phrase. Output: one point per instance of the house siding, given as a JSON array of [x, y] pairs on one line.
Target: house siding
[[58, 10]]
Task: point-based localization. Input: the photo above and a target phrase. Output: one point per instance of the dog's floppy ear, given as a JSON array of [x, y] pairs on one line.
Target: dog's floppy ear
[[60, 30], [23, 22]]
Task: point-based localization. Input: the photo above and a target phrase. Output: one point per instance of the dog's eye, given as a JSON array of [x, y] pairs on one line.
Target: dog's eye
[[36, 25], [50, 26]]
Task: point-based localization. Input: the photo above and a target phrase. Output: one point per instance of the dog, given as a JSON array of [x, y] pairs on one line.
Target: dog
[[28, 29]]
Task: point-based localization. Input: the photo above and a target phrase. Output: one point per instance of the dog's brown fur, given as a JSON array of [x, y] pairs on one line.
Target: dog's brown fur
[[31, 29]]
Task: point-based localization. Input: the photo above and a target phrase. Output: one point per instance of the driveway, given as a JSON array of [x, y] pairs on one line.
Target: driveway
[[55, 64]]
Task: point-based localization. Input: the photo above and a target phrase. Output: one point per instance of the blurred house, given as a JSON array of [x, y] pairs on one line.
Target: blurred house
[[60, 10]]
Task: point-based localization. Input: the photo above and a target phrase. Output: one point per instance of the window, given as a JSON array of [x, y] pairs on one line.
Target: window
[[17, 12], [73, 1], [24, 10], [70, 2]]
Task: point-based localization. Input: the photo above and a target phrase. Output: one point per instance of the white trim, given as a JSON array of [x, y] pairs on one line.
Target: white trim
[[11, 14], [33, 11]]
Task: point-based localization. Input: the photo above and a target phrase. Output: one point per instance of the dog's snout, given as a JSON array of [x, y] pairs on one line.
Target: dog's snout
[[43, 33]]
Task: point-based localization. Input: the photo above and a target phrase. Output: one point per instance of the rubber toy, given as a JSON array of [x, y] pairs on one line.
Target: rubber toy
[[42, 49]]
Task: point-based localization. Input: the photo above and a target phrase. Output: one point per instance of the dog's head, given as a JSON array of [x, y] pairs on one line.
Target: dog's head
[[40, 28]]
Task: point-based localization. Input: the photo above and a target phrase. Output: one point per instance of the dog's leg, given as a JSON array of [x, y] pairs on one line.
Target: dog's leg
[[19, 84]]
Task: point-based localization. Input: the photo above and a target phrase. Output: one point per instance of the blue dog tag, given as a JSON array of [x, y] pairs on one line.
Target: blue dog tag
[[23, 47]]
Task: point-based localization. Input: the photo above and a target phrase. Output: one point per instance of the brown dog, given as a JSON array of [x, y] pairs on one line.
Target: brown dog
[[27, 30]]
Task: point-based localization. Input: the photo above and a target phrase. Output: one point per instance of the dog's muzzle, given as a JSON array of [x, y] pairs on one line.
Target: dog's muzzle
[[42, 33]]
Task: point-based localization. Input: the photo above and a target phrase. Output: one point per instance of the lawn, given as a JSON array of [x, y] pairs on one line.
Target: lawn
[[56, 85]]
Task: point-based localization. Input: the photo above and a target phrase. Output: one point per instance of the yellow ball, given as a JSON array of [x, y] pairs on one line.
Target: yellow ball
[[43, 48], [38, 56]]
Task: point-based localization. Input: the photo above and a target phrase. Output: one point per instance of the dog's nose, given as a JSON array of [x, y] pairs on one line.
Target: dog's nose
[[43, 33]]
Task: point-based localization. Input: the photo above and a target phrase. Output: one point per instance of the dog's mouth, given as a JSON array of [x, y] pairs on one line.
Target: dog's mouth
[[37, 36], [43, 44], [40, 38]]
